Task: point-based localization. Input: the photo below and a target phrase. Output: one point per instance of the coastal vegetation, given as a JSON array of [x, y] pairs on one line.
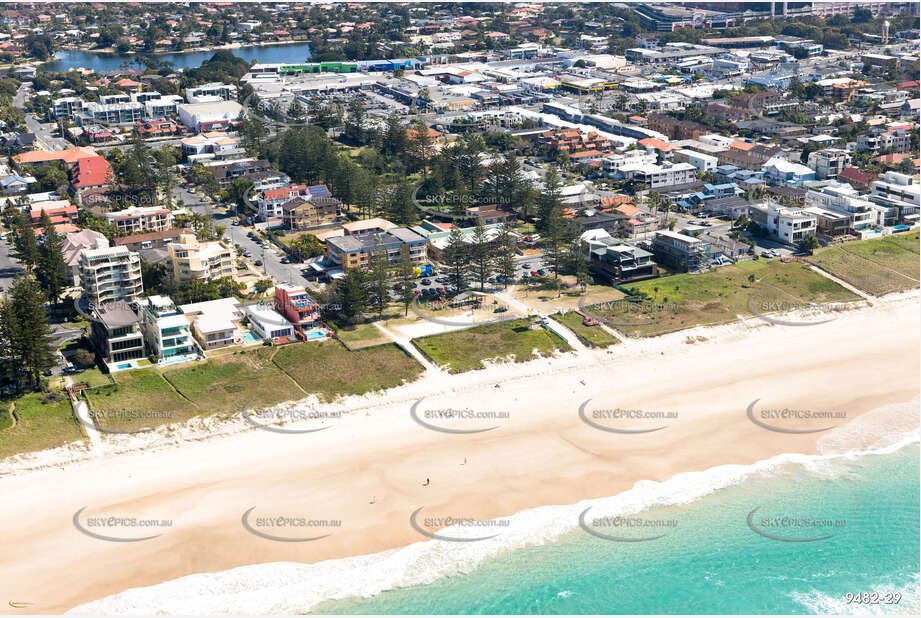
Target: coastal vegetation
[[468, 349], [877, 266], [723, 295]]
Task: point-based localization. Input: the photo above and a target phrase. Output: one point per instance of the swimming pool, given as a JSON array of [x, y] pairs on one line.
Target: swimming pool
[[313, 335], [251, 338], [124, 365]]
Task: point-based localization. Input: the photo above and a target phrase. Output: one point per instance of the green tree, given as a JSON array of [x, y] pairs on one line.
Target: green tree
[[379, 279], [406, 275], [456, 258], [808, 244], [351, 295], [25, 335], [52, 268], [505, 255], [26, 244], [480, 256]]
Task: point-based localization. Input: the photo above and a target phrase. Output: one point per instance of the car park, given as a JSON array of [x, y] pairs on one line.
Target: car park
[[534, 273], [426, 282]]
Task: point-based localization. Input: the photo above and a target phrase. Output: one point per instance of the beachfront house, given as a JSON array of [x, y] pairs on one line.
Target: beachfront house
[[166, 331]]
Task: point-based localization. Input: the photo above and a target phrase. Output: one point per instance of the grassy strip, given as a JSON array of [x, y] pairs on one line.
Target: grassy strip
[[591, 336], [719, 296], [43, 422], [877, 266], [466, 349], [328, 370]]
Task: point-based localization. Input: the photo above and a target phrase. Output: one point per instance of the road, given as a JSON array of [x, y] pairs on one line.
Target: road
[[43, 135], [9, 266], [270, 257]]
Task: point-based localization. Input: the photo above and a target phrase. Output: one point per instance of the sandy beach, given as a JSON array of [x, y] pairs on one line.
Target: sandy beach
[[368, 468]]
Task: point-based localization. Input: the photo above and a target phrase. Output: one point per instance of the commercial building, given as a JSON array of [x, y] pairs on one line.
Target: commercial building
[[681, 252], [166, 331], [109, 274], [192, 260], [116, 334], [218, 115]]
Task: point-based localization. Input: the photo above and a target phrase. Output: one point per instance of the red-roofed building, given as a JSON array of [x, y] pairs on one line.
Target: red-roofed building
[[862, 181], [93, 173], [657, 144], [59, 211]]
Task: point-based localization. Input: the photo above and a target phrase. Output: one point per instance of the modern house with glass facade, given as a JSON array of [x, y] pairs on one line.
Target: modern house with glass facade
[[166, 331]]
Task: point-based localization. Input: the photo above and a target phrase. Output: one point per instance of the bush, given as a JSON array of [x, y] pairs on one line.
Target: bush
[[84, 358]]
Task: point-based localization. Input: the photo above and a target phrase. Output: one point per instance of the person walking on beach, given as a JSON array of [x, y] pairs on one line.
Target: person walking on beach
[[427, 482]]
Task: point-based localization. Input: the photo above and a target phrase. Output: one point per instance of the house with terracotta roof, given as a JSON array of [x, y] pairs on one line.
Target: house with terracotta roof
[[59, 211], [862, 181]]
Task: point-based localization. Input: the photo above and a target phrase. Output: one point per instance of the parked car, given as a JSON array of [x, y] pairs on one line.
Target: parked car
[[766, 254], [441, 279], [426, 282], [541, 272], [258, 263], [534, 273], [500, 310], [441, 290]]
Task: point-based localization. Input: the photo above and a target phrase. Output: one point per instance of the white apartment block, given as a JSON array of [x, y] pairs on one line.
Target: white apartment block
[[114, 113], [166, 330], [615, 163], [703, 162], [659, 176], [67, 107], [843, 199], [109, 274], [201, 94], [898, 187], [141, 219], [786, 225]]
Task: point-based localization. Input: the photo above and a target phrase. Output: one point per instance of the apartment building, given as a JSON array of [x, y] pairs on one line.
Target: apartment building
[[151, 240], [270, 201], [574, 140], [617, 262], [859, 213], [681, 252], [166, 330], [877, 139], [109, 274], [702, 162], [192, 260], [116, 333], [297, 306], [67, 107], [112, 113], [674, 128], [304, 214], [829, 162], [658, 176], [205, 93], [356, 251], [786, 225], [898, 191], [141, 219]]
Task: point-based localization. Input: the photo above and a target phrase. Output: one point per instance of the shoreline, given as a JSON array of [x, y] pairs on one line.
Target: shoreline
[[111, 51], [543, 455]]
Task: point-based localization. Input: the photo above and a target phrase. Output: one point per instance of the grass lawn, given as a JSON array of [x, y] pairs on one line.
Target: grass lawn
[[327, 369], [361, 336], [592, 336], [94, 377], [465, 350], [140, 398], [878, 266], [40, 423], [228, 383], [719, 296]]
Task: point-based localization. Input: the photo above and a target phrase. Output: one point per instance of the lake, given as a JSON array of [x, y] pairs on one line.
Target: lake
[[282, 52]]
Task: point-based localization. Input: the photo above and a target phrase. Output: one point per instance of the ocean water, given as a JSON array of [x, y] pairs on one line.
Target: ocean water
[[710, 561], [825, 525]]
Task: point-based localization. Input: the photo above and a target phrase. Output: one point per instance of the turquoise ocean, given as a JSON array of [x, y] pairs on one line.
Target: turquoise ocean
[[794, 534]]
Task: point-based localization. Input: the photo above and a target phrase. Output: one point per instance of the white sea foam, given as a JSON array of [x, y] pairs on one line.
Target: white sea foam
[[285, 587]]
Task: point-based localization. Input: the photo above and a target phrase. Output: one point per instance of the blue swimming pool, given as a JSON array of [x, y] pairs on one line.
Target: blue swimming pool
[[250, 338], [124, 365], [313, 335]]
